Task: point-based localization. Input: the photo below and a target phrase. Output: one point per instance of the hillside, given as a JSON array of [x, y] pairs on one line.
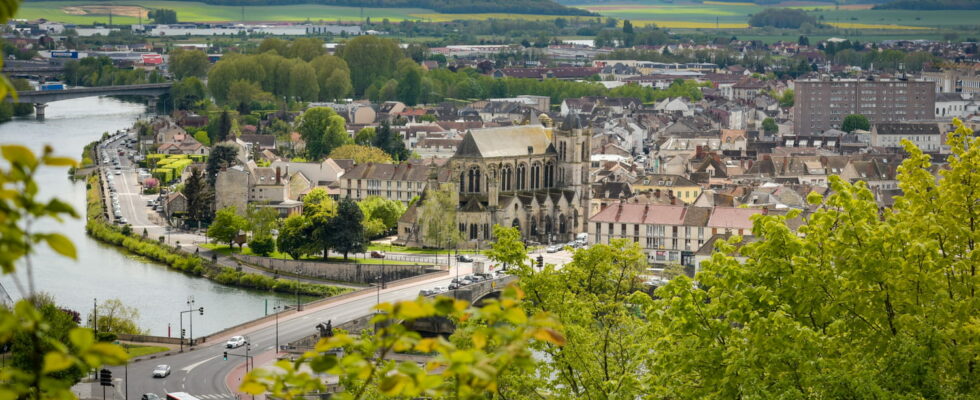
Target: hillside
[[542, 7]]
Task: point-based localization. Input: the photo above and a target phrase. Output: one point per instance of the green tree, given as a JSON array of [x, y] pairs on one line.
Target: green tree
[[243, 94], [306, 48], [391, 142], [261, 220], [365, 136], [322, 130], [226, 226], [200, 197], [116, 317], [333, 76], [437, 217], [788, 98], [202, 136], [219, 129], [769, 126], [292, 238], [508, 248], [854, 122], [384, 210], [61, 322], [274, 44], [318, 202], [222, 156], [262, 245], [360, 154], [188, 63], [879, 297], [162, 16], [347, 229], [188, 92], [302, 82], [371, 58]]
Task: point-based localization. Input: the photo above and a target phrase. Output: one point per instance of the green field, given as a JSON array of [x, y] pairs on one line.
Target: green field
[[695, 15], [200, 12]]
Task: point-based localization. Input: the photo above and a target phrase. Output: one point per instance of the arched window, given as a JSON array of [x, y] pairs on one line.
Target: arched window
[[535, 175], [521, 176], [562, 224], [506, 173], [462, 182], [562, 149], [474, 182], [549, 174]]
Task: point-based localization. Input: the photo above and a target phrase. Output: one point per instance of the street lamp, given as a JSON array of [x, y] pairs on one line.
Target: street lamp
[[278, 308], [191, 310]]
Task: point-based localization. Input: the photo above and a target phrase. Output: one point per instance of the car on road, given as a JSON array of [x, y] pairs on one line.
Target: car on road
[[377, 254], [552, 249], [464, 258], [123, 221], [150, 396], [235, 341], [161, 371], [118, 172]]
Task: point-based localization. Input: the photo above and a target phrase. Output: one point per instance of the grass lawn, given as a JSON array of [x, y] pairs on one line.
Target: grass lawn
[[138, 351], [225, 250], [200, 12]]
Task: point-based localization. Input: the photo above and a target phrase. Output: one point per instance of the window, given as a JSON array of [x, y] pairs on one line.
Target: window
[[521, 176]]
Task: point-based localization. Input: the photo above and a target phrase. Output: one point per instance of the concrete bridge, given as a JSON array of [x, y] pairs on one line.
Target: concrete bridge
[[22, 68], [40, 98]]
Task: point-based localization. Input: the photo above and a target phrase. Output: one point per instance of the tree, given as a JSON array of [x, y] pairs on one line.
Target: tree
[[306, 48], [333, 75], [437, 217], [508, 248], [262, 245], [202, 137], [788, 98], [261, 220], [116, 317], [769, 126], [347, 230], [243, 94], [830, 291], [379, 208], [854, 122], [188, 92], [200, 197], [226, 226], [371, 58], [360, 154], [274, 44], [365, 136], [220, 128], [302, 82], [61, 322], [292, 238], [188, 63], [222, 156], [162, 16], [318, 202], [322, 130], [409, 77], [390, 142]]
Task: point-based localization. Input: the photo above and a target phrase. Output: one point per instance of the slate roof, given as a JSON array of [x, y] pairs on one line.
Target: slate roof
[[393, 172], [510, 141]]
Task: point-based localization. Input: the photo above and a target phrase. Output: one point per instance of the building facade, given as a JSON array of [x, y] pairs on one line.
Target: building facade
[[822, 104]]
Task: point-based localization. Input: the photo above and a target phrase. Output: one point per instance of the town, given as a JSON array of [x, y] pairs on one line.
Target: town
[[614, 212]]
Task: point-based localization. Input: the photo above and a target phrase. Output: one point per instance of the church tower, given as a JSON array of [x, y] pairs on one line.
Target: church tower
[[574, 156]]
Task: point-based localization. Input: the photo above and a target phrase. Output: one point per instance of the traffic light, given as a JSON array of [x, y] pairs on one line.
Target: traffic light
[[183, 333], [541, 263], [201, 310], [105, 377], [226, 356]]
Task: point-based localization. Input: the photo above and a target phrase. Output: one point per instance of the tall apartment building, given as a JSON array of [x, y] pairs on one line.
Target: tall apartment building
[[955, 80], [822, 104]]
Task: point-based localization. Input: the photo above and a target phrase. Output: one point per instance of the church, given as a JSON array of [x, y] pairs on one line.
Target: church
[[533, 177]]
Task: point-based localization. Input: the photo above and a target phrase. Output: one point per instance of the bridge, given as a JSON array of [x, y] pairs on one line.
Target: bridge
[[40, 98], [21, 68]]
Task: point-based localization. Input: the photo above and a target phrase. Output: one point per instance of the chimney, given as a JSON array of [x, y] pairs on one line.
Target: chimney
[[278, 176]]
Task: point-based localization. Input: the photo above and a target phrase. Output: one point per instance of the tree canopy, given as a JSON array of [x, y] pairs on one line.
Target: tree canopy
[[854, 122], [360, 154], [322, 130]]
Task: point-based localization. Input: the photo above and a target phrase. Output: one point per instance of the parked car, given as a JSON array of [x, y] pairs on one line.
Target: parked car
[[464, 258], [552, 249], [235, 341], [118, 172], [454, 286], [377, 254], [161, 371], [150, 396]]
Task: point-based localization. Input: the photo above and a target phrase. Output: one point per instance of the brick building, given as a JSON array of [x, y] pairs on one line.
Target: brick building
[[822, 104]]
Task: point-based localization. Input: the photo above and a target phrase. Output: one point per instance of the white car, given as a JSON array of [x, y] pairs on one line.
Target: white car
[[235, 341], [161, 371]]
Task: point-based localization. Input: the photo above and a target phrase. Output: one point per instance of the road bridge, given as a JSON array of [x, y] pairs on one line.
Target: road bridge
[[40, 98], [22, 68]]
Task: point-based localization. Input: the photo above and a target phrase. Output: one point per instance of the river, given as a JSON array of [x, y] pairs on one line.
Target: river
[[102, 272]]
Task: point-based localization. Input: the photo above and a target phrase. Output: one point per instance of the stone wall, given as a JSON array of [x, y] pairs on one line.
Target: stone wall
[[340, 272]]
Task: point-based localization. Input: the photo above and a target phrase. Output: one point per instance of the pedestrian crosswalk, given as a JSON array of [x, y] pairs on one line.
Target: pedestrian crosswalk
[[220, 396]]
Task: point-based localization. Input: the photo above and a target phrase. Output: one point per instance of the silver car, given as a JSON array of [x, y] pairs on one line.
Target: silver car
[[161, 371]]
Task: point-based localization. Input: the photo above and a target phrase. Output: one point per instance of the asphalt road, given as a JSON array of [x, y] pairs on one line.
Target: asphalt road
[[202, 372]]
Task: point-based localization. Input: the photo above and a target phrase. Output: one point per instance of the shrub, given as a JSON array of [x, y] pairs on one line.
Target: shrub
[[262, 246]]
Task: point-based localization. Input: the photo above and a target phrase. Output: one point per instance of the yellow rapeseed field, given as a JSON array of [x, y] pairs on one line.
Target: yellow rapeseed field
[[436, 17], [850, 25]]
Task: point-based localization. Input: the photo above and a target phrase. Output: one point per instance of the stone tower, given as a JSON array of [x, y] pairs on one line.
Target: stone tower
[[573, 146]]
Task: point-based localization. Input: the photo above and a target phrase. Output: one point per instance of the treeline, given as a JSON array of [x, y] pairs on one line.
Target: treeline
[[929, 5], [786, 18], [99, 71], [541, 7]]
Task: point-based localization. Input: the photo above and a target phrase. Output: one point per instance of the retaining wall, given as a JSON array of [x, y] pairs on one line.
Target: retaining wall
[[341, 272]]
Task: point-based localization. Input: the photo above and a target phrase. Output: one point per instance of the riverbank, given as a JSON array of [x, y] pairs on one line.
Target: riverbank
[[175, 258]]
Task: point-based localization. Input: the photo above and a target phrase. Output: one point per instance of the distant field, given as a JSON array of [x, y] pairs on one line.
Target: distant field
[[67, 11], [725, 15]]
